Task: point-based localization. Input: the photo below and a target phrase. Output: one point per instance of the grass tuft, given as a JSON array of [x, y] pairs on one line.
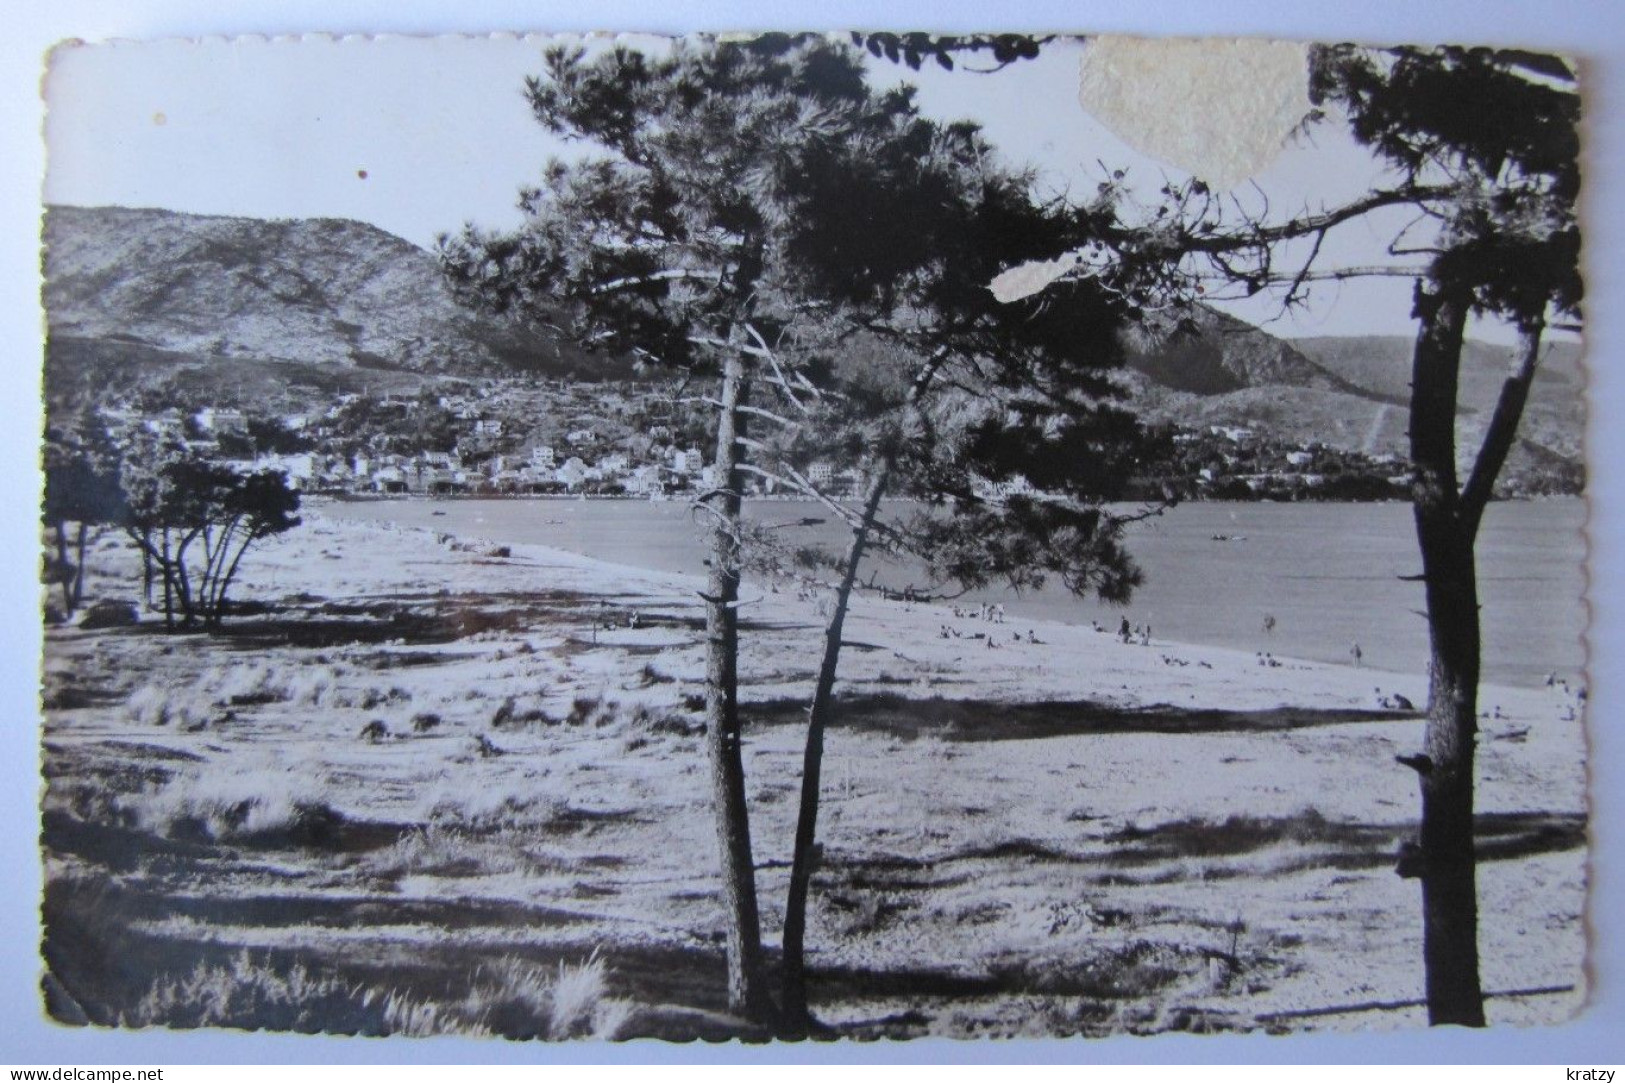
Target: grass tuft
[[153, 705], [649, 675], [511, 715], [313, 686], [512, 998], [585, 709], [245, 993], [256, 800]]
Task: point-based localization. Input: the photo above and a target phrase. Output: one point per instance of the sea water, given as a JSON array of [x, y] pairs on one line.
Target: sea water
[[1295, 580]]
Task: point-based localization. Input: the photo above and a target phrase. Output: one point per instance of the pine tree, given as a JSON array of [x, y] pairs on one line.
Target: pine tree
[[81, 487], [1497, 131], [1484, 145], [756, 216]]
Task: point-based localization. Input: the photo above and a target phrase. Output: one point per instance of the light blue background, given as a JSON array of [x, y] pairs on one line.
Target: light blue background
[[1590, 29]]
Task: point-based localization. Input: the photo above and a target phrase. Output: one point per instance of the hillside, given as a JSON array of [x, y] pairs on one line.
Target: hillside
[[1554, 418], [1300, 415], [157, 289], [1353, 393], [215, 309], [1226, 355]]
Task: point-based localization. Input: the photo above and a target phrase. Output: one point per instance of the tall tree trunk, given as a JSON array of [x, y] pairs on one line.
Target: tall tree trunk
[[169, 582], [62, 573], [747, 994], [219, 606], [1445, 859], [794, 986], [146, 567], [183, 581], [819, 714], [78, 596], [1502, 431]]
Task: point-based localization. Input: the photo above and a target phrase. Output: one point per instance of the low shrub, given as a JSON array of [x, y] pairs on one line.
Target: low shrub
[[110, 614], [373, 698], [156, 705], [592, 710], [489, 810], [583, 709], [511, 714], [437, 850], [254, 801], [249, 994], [676, 726], [649, 675], [246, 686], [314, 686]]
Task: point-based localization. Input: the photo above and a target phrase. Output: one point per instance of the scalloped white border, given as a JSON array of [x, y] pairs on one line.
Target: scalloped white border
[[1590, 29]]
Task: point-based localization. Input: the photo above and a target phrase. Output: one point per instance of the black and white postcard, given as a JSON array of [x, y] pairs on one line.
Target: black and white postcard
[[812, 535]]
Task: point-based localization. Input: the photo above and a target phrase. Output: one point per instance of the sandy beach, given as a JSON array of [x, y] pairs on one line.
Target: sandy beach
[[450, 755]]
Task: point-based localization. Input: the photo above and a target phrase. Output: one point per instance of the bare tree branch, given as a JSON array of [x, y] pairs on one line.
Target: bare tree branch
[[676, 274], [1503, 428]]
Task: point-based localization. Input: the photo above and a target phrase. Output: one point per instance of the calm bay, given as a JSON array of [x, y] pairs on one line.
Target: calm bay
[[1330, 575]]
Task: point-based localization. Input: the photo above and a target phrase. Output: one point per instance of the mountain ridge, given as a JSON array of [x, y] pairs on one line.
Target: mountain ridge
[[327, 290], [336, 304]]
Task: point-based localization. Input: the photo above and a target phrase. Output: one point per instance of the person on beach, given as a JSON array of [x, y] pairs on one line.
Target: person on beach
[[1355, 652], [1145, 636], [1123, 631]]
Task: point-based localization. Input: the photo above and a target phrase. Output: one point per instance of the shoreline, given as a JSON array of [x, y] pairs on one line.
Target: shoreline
[[344, 496], [875, 612], [1215, 574]]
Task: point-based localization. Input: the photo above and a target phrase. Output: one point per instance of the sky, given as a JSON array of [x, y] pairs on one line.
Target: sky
[[418, 135]]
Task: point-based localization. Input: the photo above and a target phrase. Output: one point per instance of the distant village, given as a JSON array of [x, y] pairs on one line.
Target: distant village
[[505, 437], [486, 438]]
